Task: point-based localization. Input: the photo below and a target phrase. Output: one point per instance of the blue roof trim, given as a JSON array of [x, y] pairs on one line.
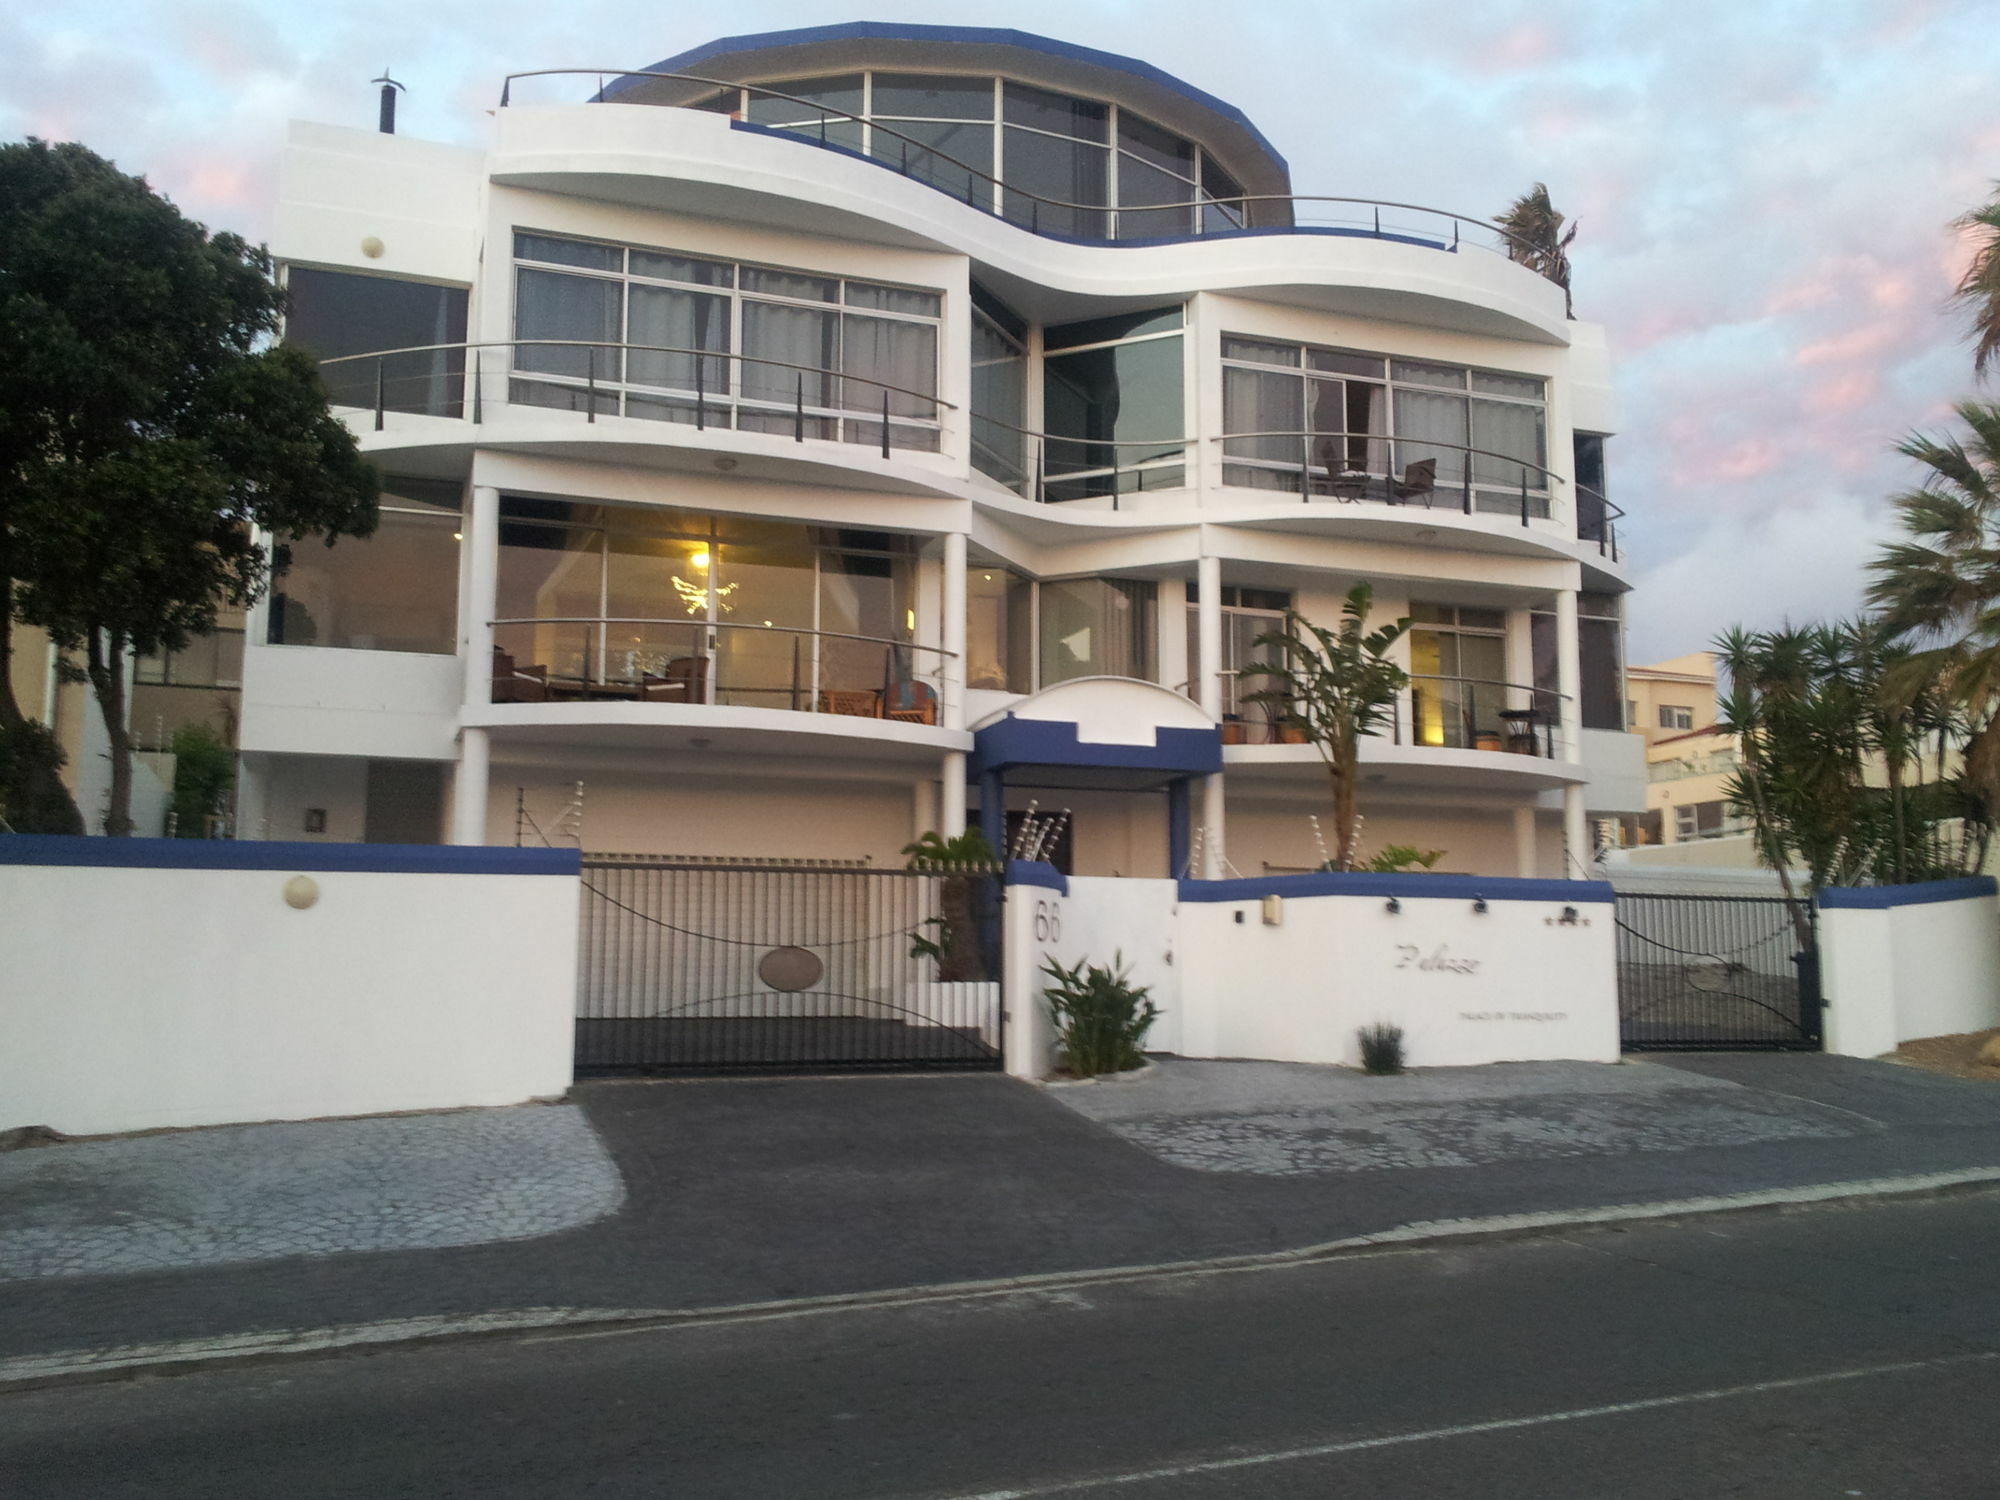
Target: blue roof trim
[[227, 854], [1053, 742], [1364, 883], [1246, 233], [1038, 873], [1027, 41], [1924, 893]]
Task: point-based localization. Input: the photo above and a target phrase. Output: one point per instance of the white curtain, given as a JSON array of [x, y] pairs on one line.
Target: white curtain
[[550, 305], [898, 354], [1262, 401], [796, 335], [1515, 431], [678, 320], [1423, 418]]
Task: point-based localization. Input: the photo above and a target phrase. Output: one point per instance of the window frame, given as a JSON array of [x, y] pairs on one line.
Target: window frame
[[836, 419]]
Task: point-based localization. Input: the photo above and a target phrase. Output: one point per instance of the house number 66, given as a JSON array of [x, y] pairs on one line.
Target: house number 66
[[1048, 922]]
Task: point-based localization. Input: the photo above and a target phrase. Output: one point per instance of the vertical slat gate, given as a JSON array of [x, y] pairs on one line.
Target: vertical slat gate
[[1716, 973], [694, 967]]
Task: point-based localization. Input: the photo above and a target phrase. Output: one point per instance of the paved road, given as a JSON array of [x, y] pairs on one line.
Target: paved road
[[1832, 1353]]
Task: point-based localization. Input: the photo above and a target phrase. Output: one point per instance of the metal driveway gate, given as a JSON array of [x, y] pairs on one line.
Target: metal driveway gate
[[1715, 973], [702, 966]]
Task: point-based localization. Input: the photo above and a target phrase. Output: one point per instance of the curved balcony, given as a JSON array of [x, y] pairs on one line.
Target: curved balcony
[[1209, 214], [613, 680], [1443, 732], [1370, 259]]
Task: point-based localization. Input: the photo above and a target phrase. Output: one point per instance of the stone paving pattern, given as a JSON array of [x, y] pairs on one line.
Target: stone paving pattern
[[748, 1189], [312, 1188], [1293, 1120]]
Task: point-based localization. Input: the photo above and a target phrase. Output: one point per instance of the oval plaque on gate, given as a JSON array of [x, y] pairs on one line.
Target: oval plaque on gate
[[790, 969]]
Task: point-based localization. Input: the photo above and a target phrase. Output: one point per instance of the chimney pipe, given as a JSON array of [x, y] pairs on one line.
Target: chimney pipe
[[386, 122]]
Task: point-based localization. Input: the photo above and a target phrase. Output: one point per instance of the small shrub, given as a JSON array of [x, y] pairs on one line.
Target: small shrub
[[1101, 1017], [1381, 1048], [952, 938], [1396, 858]]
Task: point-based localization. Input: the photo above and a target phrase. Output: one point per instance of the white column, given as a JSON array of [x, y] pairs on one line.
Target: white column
[[1527, 856], [923, 809], [1176, 671], [1569, 681], [952, 673], [951, 772], [469, 787], [1208, 638], [482, 573]]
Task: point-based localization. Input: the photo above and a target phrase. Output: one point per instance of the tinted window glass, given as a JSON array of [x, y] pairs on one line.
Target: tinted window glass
[[332, 314], [664, 267], [557, 252], [933, 96], [841, 94], [1084, 119], [1156, 147], [1103, 330]]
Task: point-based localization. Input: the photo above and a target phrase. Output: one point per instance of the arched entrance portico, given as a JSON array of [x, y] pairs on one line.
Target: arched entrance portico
[[1096, 738]]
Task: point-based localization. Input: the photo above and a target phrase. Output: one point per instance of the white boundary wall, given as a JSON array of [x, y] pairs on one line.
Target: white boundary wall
[[1514, 982], [140, 995], [1900, 962]]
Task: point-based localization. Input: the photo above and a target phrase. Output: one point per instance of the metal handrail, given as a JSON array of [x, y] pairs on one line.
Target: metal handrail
[[1391, 439], [1526, 687], [700, 624], [755, 359], [827, 113]]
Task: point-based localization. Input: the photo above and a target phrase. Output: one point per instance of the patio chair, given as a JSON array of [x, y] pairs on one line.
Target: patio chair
[[911, 702], [855, 703], [516, 684], [685, 680], [1419, 481], [1345, 483]]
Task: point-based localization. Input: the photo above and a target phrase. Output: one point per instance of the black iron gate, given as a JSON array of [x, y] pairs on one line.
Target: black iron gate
[[692, 966], [1716, 974]]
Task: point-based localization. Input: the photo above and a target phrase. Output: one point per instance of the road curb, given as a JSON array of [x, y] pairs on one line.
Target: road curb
[[127, 1361]]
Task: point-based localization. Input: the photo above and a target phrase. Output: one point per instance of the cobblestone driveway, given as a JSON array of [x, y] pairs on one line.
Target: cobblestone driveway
[[321, 1187]]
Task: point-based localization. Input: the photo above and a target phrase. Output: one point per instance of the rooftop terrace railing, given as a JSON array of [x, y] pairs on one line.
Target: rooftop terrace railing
[[1024, 208]]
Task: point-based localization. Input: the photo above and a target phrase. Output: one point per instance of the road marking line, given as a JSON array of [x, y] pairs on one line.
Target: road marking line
[[1475, 1429]]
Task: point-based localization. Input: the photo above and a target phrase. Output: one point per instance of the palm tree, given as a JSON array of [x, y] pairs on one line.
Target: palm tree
[[1535, 238], [1979, 288], [1335, 685], [1941, 587]]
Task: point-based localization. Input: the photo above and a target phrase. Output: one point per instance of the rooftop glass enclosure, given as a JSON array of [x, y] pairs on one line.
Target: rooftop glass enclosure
[[1064, 165]]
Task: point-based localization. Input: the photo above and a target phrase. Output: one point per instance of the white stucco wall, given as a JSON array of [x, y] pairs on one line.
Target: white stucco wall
[[1512, 983], [137, 998], [1928, 967]]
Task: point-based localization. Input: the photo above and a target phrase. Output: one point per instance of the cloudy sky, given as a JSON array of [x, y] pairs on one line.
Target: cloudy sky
[[1764, 189]]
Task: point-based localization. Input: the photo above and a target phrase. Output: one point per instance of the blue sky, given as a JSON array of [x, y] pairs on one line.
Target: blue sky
[[1764, 190]]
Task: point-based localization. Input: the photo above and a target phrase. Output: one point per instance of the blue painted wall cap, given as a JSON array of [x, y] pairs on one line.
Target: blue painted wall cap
[[1923, 893], [1403, 886], [226, 854]]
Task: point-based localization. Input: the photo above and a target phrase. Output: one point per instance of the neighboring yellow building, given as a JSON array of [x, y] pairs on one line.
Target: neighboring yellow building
[[1672, 704]]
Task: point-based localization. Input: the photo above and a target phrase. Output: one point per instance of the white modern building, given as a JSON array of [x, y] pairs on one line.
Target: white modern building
[[822, 437]]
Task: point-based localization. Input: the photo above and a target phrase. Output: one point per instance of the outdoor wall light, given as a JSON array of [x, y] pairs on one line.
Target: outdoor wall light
[[1479, 905], [1569, 916], [1394, 908]]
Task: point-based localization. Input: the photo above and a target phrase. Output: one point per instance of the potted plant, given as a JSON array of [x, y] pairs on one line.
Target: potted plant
[[1101, 1017]]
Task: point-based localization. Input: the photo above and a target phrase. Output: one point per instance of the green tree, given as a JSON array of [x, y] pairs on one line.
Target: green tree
[[967, 863], [204, 773], [148, 423], [1979, 287], [1939, 587], [1336, 685], [1535, 238]]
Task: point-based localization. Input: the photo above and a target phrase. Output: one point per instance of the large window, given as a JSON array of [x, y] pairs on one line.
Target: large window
[[999, 390], [1352, 425], [1458, 678], [200, 684], [396, 590], [1112, 405], [1068, 165], [613, 600], [1600, 633], [651, 332], [1247, 615], [336, 313], [999, 630], [1096, 627]]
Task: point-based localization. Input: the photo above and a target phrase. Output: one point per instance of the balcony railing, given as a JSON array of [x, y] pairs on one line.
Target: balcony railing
[[710, 388], [1447, 713], [601, 658], [1208, 215]]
